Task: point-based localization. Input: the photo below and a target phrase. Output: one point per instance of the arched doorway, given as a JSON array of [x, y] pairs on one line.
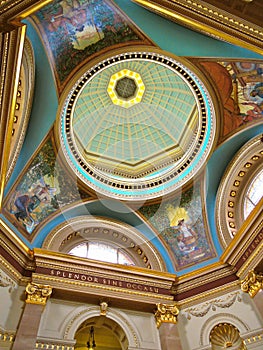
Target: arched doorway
[[102, 332]]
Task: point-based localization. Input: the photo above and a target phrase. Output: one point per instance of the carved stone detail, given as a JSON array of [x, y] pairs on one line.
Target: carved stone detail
[[7, 282], [166, 313], [252, 283], [223, 303], [37, 293], [103, 308]]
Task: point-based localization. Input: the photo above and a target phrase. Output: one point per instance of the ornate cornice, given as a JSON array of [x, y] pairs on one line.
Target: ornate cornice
[[252, 283], [209, 20], [166, 313]]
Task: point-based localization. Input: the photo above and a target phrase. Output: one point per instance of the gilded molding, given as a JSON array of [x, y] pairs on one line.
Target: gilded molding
[[252, 283], [44, 345], [66, 235], [65, 283], [166, 313], [6, 337], [208, 20], [233, 185], [37, 293], [24, 102]]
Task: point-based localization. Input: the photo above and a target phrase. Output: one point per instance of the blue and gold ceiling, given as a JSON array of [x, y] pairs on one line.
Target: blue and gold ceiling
[[121, 129]]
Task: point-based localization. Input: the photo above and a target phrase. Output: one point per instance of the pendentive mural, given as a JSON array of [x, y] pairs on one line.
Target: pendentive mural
[[181, 223], [240, 86], [76, 29], [38, 193]]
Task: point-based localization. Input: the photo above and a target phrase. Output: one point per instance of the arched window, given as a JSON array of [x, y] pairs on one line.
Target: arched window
[[103, 252], [254, 193]]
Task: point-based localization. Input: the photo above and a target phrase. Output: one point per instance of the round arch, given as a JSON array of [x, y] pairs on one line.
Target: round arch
[[74, 231], [218, 319], [231, 193], [125, 331]]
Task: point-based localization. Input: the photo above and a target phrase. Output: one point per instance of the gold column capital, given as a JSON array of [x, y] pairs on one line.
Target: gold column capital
[[37, 293], [252, 283], [166, 313]]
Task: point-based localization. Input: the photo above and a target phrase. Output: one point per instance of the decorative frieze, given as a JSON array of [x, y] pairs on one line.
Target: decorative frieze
[[252, 283], [166, 313], [37, 293], [202, 309]]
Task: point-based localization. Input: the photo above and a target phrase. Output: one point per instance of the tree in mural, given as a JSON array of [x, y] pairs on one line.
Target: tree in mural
[[38, 193]]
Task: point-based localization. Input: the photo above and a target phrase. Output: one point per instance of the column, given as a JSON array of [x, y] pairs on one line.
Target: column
[[26, 334], [253, 285], [166, 321]]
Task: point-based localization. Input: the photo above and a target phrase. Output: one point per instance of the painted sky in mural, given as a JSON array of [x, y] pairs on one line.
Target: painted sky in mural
[[38, 193], [180, 223], [76, 29]]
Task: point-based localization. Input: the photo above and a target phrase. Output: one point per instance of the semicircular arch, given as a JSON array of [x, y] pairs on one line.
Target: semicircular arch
[[82, 228]]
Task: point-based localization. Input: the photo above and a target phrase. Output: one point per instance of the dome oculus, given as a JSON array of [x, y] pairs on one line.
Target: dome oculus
[[137, 126]]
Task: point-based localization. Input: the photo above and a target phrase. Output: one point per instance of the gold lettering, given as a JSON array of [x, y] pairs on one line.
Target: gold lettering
[[64, 274], [128, 285], [120, 284], [115, 283], [52, 272], [90, 279], [156, 290], [70, 275], [104, 281], [96, 280], [58, 273], [76, 276], [83, 277]]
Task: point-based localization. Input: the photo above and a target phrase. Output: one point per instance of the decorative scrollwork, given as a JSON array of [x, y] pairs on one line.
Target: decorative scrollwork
[[252, 283], [37, 293], [166, 313]]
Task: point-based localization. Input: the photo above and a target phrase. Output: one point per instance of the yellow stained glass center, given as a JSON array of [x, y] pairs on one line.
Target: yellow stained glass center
[[126, 88]]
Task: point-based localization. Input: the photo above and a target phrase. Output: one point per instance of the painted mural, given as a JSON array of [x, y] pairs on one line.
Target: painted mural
[[180, 223], [240, 85], [77, 29], [38, 193]]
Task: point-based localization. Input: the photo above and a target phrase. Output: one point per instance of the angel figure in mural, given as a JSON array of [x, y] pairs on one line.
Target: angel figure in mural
[[186, 237]]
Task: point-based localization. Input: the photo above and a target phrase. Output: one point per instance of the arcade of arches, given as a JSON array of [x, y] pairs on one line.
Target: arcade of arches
[[131, 174]]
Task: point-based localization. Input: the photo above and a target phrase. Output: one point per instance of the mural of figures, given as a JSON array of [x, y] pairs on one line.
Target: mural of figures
[[180, 223], [77, 29], [37, 194], [240, 85]]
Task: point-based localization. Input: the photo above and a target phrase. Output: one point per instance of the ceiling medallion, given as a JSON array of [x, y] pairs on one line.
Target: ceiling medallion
[[126, 88], [137, 125]]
